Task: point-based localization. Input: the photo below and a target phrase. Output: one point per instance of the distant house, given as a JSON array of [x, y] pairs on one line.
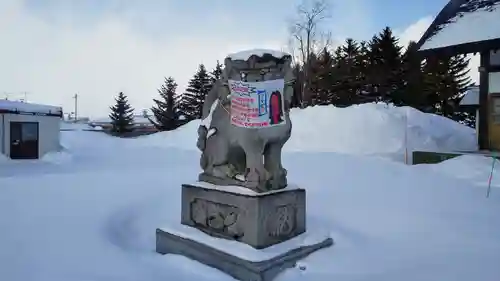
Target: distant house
[[470, 103], [140, 123], [471, 98], [28, 131], [472, 27]]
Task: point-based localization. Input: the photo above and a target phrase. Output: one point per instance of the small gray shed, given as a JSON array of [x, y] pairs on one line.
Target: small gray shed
[[27, 130]]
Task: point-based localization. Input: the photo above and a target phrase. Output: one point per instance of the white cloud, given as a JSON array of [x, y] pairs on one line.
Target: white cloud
[[54, 61], [414, 31]]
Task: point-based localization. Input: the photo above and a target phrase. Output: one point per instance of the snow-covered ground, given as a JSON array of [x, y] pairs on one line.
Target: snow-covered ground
[[90, 213]]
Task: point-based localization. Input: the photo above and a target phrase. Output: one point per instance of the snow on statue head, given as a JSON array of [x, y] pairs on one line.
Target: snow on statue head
[[246, 121]]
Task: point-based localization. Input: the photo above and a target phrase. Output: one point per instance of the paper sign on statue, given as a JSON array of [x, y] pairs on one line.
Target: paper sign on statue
[[257, 104]]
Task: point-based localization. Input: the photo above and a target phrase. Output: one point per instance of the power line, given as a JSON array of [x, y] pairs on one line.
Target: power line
[[24, 94]]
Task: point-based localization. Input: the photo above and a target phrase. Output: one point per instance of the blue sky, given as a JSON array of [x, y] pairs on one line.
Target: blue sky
[[100, 47], [404, 13]]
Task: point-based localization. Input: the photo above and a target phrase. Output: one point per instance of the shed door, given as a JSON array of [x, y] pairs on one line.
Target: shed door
[[24, 140]]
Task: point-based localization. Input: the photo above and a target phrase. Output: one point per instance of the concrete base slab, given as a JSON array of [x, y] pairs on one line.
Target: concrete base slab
[[254, 269]]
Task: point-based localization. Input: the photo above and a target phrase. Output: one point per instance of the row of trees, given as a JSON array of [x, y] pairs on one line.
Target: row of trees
[[353, 73], [170, 110], [380, 69]]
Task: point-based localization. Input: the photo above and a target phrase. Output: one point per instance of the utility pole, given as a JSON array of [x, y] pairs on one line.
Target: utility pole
[[76, 106], [25, 97]]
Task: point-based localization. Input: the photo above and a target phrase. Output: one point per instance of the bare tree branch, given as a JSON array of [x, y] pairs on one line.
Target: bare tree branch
[[307, 38]]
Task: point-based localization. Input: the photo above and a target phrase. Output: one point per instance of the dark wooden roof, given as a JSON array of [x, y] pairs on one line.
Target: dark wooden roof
[[451, 13]]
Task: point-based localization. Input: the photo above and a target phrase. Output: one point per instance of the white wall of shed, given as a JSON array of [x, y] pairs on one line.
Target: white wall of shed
[[477, 126], [48, 129], [2, 134]]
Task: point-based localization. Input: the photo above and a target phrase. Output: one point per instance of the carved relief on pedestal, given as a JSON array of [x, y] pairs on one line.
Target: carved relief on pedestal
[[281, 221], [216, 217]]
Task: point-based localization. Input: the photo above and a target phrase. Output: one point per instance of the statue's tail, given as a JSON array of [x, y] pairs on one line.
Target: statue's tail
[[204, 161], [207, 114], [210, 102]]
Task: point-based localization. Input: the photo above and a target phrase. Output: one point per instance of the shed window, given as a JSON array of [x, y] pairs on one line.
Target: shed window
[[495, 58]]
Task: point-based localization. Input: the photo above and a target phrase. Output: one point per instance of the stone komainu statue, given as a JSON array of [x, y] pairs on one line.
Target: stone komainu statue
[[249, 157]]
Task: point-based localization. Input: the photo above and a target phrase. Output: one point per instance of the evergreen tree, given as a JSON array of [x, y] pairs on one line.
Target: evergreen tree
[[297, 86], [192, 100], [335, 81], [314, 72], [380, 70], [363, 62], [389, 69], [122, 118], [434, 74], [446, 80], [459, 70], [372, 67], [216, 73], [347, 76], [352, 63], [165, 111], [413, 89], [322, 78]]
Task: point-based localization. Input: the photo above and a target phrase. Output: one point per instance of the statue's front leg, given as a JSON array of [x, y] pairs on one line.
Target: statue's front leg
[[272, 162], [255, 177], [214, 160]]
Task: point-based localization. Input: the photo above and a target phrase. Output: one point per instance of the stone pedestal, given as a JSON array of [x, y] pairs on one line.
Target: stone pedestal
[[238, 215], [257, 219]]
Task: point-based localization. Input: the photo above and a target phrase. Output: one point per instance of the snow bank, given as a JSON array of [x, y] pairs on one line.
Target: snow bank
[[245, 55], [475, 169], [367, 129], [60, 157], [375, 129]]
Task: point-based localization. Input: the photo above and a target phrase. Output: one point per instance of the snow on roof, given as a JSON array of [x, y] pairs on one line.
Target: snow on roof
[[245, 55], [29, 107], [471, 97], [464, 21]]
